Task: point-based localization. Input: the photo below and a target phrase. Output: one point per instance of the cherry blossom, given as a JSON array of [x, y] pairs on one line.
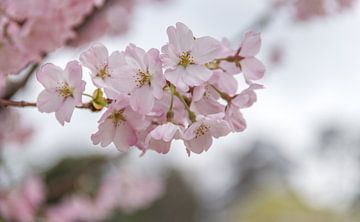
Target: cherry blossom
[[118, 125], [63, 90], [159, 139], [105, 69], [184, 57], [21, 205], [144, 70], [189, 92], [199, 136]]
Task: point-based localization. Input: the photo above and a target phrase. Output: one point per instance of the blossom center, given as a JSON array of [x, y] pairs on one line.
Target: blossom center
[[142, 78], [203, 128], [65, 90], [117, 117], [103, 72], [186, 59]]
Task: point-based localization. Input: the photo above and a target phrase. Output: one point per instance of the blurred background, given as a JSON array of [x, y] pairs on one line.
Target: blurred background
[[298, 159]]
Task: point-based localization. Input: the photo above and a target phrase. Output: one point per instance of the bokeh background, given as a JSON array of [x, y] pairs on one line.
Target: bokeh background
[[298, 159]]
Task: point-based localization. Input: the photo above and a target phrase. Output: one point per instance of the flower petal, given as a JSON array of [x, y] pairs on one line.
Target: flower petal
[[251, 44], [142, 100], [65, 112], [50, 75], [252, 68], [205, 49], [49, 101]]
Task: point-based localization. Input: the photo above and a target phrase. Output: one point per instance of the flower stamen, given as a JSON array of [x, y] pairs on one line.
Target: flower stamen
[[203, 128], [186, 59], [103, 72], [142, 78], [65, 90], [117, 117]]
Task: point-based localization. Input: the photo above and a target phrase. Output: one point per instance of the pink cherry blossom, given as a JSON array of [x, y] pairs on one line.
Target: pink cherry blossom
[[184, 57], [105, 69], [199, 136], [159, 139], [127, 192], [63, 90], [21, 205], [72, 209], [118, 125], [189, 92], [144, 70]]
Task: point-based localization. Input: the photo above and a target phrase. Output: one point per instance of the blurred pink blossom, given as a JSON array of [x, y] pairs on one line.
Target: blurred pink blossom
[[21, 204]]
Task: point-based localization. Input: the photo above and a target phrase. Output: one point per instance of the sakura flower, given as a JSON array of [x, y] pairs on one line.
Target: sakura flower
[[160, 138], [247, 97], [144, 69], [184, 57], [252, 68], [63, 90], [199, 136], [105, 69], [118, 125]]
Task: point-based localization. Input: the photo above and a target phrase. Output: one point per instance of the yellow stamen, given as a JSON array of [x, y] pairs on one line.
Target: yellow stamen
[[65, 90], [103, 72], [117, 117], [142, 78], [186, 59]]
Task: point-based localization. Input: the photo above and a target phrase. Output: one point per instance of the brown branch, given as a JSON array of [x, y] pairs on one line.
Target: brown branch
[[7, 103], [12, 103]]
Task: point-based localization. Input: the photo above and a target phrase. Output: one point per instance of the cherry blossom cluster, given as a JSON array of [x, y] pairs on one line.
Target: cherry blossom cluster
[[118, 190], [307, 9], [31, 29], [187, 92]]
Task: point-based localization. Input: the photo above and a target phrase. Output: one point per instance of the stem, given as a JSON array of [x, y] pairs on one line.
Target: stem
[[223, 95], [11, 103], [88, 95], [191, 114], [170, 113], [6, 103]]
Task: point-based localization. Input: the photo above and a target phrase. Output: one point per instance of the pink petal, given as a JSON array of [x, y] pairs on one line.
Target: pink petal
[[205, 50], [251, 44], [219, 128], [65, 112], [95, 57], [199, 144], [180, 37], [175, 76], [196, 75], [49, 101], [159, 146], [105, 134], [50, 75], [252, 68], [124, 137], [73, 74], [142, 100]]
